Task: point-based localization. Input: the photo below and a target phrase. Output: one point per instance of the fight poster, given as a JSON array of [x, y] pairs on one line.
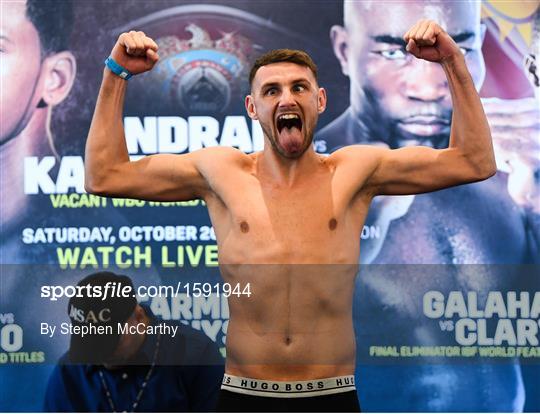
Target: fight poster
[[447, 300]]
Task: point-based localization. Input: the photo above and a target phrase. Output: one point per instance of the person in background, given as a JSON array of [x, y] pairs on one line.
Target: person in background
[[161, 367]]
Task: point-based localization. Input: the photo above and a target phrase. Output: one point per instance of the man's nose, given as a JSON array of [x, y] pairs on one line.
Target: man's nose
[[287, 99], [426, 81]]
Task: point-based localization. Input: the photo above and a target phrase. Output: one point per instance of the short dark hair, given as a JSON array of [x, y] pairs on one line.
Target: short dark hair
[[283, 55], [53, 20]]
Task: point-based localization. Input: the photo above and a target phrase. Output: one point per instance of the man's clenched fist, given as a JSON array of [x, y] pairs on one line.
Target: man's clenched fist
[[427, 40], [136, 52]]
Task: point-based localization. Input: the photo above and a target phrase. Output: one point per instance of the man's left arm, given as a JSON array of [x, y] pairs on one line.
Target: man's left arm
[[469, 156]]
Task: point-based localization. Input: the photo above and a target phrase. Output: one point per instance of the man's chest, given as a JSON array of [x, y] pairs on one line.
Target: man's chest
[[298, 223]]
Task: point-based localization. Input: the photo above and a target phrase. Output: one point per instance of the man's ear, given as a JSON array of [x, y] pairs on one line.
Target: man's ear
[[340, 43], [59, 72], [250, 107], [321, 100]]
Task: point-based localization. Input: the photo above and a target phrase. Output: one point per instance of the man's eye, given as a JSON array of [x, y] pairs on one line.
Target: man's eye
[[393, 54], [270, 92], [299, 88]]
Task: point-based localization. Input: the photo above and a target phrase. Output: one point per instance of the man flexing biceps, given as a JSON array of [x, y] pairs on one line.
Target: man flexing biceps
[[290, 346]]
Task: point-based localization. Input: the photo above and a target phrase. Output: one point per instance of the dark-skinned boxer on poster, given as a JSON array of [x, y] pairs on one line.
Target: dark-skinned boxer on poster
[[290, 346]]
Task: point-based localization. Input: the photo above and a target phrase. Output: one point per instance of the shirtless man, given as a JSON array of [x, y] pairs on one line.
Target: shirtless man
[[288, 206]]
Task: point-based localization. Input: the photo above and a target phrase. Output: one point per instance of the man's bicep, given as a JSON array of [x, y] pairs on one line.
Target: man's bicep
[[160, 177], [415, 170]]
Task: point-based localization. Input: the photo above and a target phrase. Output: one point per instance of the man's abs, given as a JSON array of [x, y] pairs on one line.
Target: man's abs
[[297, 323]]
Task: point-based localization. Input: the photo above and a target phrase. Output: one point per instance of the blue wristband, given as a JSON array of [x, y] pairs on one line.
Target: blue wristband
[[117, 69]]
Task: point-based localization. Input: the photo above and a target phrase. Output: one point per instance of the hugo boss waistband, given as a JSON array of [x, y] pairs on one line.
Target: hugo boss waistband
[[288, 389]]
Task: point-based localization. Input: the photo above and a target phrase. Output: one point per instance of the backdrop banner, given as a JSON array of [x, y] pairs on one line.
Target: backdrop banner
[[447, 290]]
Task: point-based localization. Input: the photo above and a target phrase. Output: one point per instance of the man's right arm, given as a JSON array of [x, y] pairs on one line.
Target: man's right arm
[[108, 169]]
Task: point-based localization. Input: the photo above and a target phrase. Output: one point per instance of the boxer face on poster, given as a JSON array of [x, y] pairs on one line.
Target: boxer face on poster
[[402, 100], [33, 78], [20, 69], [36, 74]]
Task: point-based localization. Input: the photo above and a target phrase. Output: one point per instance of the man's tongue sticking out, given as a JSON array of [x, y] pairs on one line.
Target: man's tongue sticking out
[[290, 134]]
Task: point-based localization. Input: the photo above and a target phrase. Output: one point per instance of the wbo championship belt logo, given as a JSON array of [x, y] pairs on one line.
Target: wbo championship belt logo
[[205, 51], [198, 74]]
